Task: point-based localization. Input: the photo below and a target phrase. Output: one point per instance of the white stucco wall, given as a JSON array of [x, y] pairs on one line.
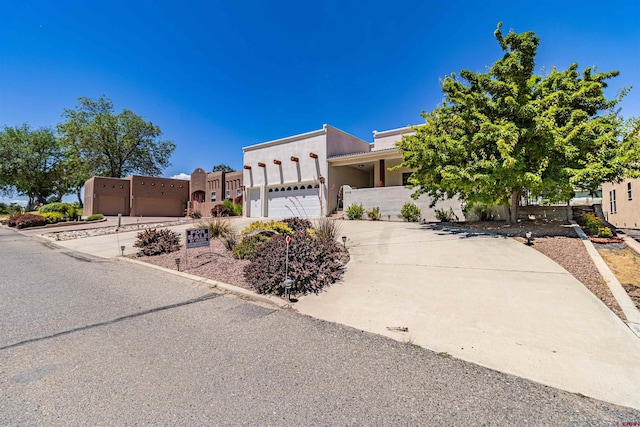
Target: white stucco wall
[[391, 199], [388, 138], [306, 170], [339, 142]]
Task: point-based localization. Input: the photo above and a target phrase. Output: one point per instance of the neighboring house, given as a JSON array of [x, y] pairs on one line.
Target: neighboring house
[[621, 203], [315, 173], [136, 196], [211, 189]]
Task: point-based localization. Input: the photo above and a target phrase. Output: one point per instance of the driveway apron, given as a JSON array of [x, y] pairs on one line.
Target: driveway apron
[[485, 299]]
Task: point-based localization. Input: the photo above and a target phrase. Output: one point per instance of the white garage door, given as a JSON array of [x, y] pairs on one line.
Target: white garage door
[[254, 203], [302, 201]]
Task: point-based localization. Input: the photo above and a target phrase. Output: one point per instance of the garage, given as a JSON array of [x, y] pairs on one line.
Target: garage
[[254, 203], [157, 206], [298, 200]]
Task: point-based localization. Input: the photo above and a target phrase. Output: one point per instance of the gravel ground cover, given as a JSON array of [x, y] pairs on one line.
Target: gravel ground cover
[[214, 262]]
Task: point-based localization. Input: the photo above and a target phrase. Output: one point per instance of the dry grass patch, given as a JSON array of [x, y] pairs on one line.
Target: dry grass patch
[[625, 265]]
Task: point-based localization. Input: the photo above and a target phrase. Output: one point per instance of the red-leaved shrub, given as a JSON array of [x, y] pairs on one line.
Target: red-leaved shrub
[[155, 242], [313, 264], [30, 220]]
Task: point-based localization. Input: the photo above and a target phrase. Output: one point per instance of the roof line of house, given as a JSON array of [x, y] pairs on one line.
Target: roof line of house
[[287, 139], [390, 132]]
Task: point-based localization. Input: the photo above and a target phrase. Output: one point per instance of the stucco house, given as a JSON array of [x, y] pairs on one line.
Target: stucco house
[[213, 188], [621, 203], [136, 195], [139, 195], [315, 173]]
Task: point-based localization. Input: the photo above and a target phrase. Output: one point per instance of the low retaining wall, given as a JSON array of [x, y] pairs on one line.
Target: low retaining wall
[[555, 213], [391, 199]]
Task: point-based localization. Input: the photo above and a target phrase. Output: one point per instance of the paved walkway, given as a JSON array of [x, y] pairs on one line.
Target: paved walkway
[[488, 300]]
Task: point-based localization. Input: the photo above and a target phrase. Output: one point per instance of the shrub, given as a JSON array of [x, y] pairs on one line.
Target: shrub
[[220, 210], [298, 224], [326, 229], [218, 228], [233, 208], [446, 215], [66, 209], [604, 232], [355, 211], [592, 223], [313, 264], [95, 217], [230, 241], [53, 217], [30, 220], [196, 214], [238, 200], [11, 209], [483, 212], [155, 242], [248, 245], [410, 212], [280, 227], [374, 214], [11, 222]]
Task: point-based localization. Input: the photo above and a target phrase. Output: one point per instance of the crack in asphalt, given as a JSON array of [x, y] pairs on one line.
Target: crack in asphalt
[[202, 298]]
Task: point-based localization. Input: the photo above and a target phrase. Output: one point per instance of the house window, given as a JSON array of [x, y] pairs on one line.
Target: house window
[[239, 192], [612, 201], [629, 195], [227, 194], [213, 196], [405, 178]]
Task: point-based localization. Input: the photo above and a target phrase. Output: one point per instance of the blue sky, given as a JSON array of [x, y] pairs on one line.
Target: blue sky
[[216, 76]]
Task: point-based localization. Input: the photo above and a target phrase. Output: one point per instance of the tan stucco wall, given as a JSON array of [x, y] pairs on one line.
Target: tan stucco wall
[[627, 213], [108, 196], [153, 196]]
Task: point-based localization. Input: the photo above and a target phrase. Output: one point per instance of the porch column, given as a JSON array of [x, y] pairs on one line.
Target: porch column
[[382, 168]]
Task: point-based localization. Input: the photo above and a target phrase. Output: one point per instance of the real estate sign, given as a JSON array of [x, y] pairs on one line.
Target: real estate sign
[[197, 237]]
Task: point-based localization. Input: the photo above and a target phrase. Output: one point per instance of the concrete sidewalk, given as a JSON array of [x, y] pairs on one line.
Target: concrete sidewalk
[[485, 299]]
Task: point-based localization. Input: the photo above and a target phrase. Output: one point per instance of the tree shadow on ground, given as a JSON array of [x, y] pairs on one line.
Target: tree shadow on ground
[[538, 228]]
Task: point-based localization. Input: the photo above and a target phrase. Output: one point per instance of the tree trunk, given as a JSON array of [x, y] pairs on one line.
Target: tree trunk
[[513, 208], [79, 194]]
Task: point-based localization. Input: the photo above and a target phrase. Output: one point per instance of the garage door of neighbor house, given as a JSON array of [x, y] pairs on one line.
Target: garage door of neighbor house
[[152, 206], [301, 201], [112, 205], [254, 203]]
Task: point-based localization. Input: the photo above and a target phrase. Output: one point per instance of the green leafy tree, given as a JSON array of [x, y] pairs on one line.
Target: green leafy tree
[[31, 164], [508, 132], [222, 168], [103, 143]]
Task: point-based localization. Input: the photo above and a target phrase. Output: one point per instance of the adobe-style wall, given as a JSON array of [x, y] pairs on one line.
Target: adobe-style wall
[[108, 196], [152, 196]]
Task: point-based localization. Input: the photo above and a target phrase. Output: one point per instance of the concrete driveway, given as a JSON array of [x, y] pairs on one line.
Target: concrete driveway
[[485, 299]]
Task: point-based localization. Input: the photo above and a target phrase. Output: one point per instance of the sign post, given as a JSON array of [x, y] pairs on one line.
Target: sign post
[[195, 238], [287, 281]]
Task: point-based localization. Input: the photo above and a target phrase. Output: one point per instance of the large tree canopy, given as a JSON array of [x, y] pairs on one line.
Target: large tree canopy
[[32, 164], [507, 132], [115, 145]]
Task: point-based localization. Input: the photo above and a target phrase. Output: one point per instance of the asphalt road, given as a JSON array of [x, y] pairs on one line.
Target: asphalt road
[[88, 341]]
